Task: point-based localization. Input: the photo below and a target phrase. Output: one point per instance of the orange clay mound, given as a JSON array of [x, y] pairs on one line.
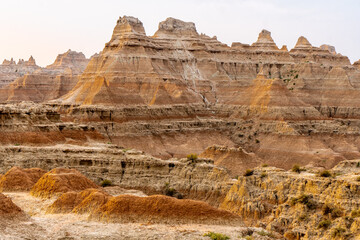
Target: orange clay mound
[[79, 202], [9, 211], [161, 209], [18, 179], [61, 180]]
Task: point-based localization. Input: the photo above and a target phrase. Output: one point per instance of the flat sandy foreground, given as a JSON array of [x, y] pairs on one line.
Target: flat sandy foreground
[[74, 226]]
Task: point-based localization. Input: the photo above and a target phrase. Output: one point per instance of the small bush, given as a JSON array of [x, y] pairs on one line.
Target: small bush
[[248, 172], [266, 234], [263, 174], [358, 179], [324, 224], [296, 168], [216, 236], [333, 211], [336, 212], [325, 173], [355, 213], [303, 199], [265, 165], [192, 157], [249, 238], [106, 183], [338, 232], [170, 192]]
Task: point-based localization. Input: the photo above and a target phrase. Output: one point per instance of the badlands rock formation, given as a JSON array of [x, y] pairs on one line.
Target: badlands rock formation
[[47, 83], [9, 211], [161, 209], [60, 180], [18, 179], [299, 205], [10, 70]]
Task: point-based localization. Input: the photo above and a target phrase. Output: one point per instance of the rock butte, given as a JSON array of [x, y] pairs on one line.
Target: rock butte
[[46, 83]]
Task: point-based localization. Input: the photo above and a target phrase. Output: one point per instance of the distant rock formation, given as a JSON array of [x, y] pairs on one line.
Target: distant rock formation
[[47, 83], [9, 70], [265, 41], [329, 48]]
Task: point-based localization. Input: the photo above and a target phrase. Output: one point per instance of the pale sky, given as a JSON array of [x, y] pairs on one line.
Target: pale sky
[[45, 28]]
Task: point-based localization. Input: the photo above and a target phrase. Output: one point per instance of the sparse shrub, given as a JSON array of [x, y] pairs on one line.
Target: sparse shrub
[[171, 192], [264, 165], [355, 213], [358, 164], [106, 183], [257, 141], [325, 173], [333, 211], [303, 217], [358, 179], [266, 234], [249, 238], [338, 232], [303, 199], [192, 157], [296, 168], [326, 209], [216, 236], [324, 224], [263, 174], [248, 172], [336, 212]]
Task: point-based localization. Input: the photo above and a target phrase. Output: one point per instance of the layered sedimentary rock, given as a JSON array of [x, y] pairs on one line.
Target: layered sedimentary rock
[[306, 205], [10, 70], [130, 169], [46, 83]]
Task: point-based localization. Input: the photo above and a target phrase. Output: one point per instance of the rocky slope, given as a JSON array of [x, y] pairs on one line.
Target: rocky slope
[[46, 83], [10, 70], [312, 204]]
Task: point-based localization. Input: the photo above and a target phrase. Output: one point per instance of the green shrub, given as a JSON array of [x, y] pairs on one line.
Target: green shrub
[[336, 212], [326, 209], [192, 157], [266, 234], [355, 213], [171, 192], [296, 168], [358, 179], [303, 199], [265, 165], [333, 211], [324, 224], [325, 173], [338, 232], [106, 183], [216, 236], [263, 174], [248, 172], [249, 238]]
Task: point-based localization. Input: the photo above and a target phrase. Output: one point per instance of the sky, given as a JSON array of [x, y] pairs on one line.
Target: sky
[[46, 28]]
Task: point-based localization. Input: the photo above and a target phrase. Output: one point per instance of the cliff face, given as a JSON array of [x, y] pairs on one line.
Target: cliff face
[[47, 83], [299, 205], [177, 65]]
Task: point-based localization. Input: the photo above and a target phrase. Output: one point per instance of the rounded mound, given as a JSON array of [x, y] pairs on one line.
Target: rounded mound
[[79, 202], [161, 209], [61, 180], [10, 211], [18, 179]]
